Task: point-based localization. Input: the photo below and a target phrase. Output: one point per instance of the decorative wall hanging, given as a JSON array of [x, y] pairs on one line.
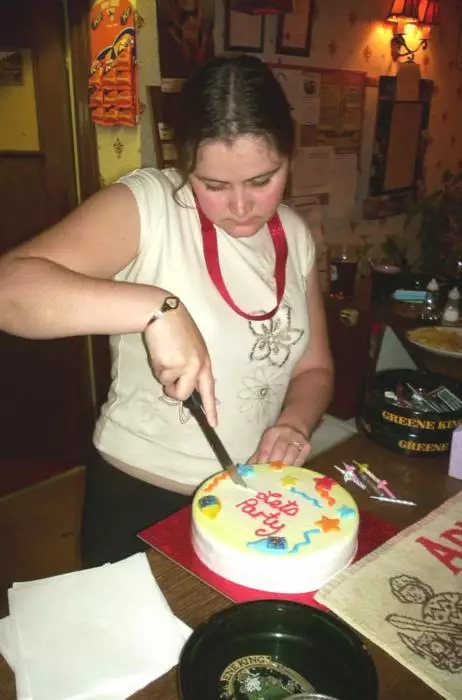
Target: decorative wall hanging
[[243, 32], [113, 82], [185, 30], [293, 36]]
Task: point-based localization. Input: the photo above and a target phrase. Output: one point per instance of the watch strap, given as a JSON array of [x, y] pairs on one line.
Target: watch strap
[[170, 303]]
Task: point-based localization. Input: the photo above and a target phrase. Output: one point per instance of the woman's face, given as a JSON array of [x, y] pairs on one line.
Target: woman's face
[[239, 184]]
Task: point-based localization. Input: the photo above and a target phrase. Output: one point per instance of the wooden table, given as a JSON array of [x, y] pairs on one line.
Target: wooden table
[[423, 480]]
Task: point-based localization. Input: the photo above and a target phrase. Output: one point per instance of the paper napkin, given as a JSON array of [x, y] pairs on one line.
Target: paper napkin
[[97, 634]]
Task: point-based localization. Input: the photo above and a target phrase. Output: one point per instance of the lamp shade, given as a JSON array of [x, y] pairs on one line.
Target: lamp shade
[[404, 11], [430, 12]]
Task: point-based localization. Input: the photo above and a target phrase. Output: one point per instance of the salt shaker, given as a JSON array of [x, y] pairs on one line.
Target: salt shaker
[[434, 288], [451, 313]]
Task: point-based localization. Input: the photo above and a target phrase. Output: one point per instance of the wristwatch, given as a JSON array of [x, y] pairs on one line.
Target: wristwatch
[[170, 303]]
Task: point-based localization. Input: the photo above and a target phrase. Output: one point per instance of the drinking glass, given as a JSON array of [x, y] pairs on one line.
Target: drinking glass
[[343, 263]]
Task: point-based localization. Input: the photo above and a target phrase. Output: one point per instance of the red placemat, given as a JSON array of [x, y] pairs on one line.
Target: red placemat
[[172, 536]]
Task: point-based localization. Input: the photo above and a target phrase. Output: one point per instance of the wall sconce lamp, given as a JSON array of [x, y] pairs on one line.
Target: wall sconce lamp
[[412, 19]]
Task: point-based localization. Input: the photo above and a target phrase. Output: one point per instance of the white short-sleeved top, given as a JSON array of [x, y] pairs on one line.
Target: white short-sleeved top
[[251, 361]]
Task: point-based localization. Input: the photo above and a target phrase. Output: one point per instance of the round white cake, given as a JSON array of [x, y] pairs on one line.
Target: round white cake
[[290, 531]]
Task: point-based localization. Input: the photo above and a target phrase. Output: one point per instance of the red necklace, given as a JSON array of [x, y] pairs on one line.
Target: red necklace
[[209, 241]]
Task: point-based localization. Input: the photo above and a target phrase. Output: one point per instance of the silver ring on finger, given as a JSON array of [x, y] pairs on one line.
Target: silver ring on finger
[[298, 445]]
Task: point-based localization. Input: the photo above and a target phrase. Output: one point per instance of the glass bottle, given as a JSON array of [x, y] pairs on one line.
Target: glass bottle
[[430, 313]]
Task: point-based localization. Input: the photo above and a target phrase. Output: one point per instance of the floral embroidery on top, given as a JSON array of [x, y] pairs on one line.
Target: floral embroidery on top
[[183, 413], [260, 392], [275, 337]]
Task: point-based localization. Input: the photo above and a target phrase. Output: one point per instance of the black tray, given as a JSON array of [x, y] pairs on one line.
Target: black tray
[[281, 646], [405, 430]]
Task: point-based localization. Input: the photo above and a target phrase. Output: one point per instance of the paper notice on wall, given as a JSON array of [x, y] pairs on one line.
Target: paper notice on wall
[[344, 181], [290, 82], [312, 170], [310, 209], [309, 108], [331, 96], [303, 90]]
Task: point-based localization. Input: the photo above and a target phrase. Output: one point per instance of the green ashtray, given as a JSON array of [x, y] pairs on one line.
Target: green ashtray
[[273, 650]]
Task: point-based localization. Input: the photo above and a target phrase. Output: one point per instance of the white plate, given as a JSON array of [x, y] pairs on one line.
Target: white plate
[[431, 347]]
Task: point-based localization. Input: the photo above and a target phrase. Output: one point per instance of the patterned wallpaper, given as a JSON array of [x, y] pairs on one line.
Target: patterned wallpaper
[[347, 34], [351, 34]]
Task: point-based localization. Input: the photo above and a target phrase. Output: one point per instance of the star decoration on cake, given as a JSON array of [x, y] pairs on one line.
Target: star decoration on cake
[[328, 524], [346, 512], [323, 486], [277, 465], [246, 469], [324, 482], [289, 480]]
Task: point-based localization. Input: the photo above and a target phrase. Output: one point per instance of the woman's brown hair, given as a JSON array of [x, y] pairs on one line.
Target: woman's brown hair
[[228, 98]]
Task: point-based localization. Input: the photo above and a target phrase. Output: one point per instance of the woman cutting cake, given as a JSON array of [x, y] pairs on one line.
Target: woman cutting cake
[[202, 278]]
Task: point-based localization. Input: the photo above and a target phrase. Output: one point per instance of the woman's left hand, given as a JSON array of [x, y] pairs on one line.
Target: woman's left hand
[[282, 443]]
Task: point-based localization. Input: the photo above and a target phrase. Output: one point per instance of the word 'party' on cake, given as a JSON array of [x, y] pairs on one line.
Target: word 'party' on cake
[[289, 531]]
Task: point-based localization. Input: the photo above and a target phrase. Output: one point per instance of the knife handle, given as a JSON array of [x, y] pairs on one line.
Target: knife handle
[[194, 402]]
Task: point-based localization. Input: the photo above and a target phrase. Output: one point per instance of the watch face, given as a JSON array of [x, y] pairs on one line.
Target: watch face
[[171, 303]]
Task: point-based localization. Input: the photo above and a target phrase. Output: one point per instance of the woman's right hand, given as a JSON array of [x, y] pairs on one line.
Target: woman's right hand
[[180, 359]]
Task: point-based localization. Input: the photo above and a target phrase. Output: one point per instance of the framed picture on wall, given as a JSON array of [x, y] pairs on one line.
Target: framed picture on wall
[[400, 141], [293, 34], [243, 32]]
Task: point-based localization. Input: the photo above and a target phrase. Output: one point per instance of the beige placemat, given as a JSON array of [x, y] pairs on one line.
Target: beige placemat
[[406, 597]]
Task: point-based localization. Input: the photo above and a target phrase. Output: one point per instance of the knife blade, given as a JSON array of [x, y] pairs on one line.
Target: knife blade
[[194, 404]]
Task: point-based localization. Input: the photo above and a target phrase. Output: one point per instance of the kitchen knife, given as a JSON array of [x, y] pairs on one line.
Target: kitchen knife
[[194, 404]]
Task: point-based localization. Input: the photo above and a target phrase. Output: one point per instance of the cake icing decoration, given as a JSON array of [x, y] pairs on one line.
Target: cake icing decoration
[[323, 485], [277, 466], [328, 524], [279, 545], [306, 540], [210, 505], [289, 480], [346, 512], [216, 480], [270, 545], [276, 506], [246, 470], [304, 495]]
